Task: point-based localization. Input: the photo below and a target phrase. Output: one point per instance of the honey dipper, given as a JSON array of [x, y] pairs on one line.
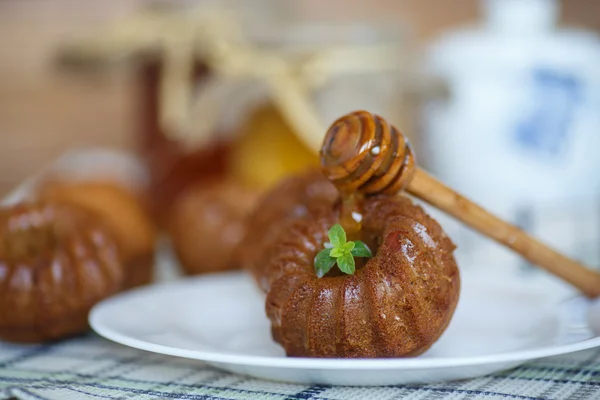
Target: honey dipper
[[364, 155]]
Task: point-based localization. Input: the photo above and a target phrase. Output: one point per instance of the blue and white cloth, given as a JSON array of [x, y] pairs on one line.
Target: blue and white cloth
[[92, 368]]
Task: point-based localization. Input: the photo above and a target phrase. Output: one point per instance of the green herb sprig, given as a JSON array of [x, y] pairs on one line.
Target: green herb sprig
[[339, 251]]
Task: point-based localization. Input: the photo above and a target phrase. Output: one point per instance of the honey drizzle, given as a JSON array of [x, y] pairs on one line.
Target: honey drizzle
[[351, 214]]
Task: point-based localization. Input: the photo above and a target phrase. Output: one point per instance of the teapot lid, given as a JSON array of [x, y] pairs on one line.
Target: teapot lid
[[520, 16]]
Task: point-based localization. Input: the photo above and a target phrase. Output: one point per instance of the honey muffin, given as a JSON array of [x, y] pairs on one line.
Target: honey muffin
[[207, 223], [122, 211], [396, 304], [56, 261]]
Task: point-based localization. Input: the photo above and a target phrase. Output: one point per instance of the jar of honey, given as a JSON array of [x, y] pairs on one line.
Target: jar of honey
[[239, 100]]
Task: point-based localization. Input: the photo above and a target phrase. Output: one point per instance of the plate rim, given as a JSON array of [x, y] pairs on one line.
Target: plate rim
[[315, 363]]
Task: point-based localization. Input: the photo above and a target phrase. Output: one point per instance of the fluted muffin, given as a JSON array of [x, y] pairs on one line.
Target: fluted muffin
[[397, 304], [56, 262], [122, 211], [207, 223]]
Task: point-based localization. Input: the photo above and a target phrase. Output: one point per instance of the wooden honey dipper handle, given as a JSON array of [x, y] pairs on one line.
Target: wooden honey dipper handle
[[363, 153], [429, 189]]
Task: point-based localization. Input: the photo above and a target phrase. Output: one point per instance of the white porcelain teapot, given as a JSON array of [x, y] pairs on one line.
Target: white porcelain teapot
[[520, 131]]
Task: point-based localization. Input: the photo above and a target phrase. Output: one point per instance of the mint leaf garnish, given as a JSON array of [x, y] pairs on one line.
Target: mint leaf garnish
[[323, 262], [339, 251]]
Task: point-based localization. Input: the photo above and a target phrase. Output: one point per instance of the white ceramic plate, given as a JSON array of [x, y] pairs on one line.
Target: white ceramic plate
[[220, 319]]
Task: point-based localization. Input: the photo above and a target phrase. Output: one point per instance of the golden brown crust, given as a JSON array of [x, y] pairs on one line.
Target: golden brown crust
[[56, 262], [396, 305], [123, 213], [207, 223]]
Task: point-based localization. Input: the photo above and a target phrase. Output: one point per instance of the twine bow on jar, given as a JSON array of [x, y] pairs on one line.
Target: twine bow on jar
[[216, 38]]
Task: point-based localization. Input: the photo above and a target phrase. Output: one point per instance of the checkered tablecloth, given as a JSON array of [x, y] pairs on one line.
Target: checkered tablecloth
[[93, 368]]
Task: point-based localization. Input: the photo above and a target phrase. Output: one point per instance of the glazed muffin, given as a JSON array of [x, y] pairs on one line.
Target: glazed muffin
[[396, 304], [207, 223], [123, 213], [56, 262]]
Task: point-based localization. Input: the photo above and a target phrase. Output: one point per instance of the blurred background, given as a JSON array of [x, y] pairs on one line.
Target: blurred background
[[458, 78], [43, 112]]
